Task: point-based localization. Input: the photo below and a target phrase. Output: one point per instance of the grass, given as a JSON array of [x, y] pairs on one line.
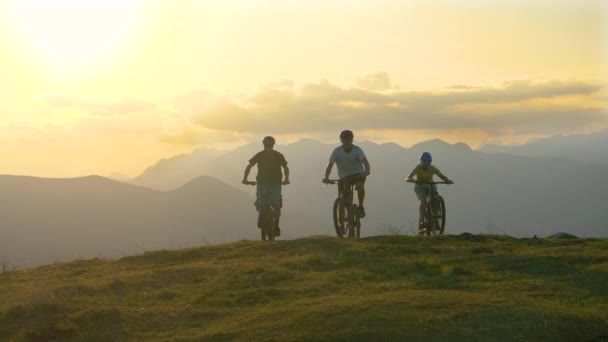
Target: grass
[[469, 288]]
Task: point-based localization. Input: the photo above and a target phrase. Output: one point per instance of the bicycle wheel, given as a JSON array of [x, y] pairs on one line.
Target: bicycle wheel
[[264, 229], [357, 226], [353, 216], [432, 228], [338, 218], [441, 214], [272, 225], [429, 224], [268, 225]]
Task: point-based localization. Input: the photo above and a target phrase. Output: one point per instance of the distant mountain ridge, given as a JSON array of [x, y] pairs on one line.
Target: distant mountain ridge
[[494, 193], [590, 148]]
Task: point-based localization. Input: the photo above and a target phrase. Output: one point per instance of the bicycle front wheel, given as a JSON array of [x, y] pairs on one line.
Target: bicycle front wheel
[[338, 214], [357, 225], [264, 229], [268, 225], [353, 218]]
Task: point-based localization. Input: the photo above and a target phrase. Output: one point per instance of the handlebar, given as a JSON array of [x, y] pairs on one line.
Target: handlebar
[[428, 183], [255, 183]]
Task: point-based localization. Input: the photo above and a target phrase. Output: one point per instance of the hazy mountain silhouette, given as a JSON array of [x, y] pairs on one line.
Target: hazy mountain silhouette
[[168, 174], [494, 193], [591, 148], [46, 220]]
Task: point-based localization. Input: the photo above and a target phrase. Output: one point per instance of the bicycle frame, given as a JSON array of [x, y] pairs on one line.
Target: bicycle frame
[[346, 198]]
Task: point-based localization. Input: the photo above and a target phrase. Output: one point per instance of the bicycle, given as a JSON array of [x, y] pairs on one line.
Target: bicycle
[[267, 211], [434, 218], [347, 220]]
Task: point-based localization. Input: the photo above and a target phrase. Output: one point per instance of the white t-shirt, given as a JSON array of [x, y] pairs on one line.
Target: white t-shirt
[[348, 163]]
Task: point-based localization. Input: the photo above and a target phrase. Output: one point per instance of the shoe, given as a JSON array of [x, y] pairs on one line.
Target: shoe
[[361, 212]]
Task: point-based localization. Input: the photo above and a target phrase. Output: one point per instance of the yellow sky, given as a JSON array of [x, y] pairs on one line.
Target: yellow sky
[[112, 86]]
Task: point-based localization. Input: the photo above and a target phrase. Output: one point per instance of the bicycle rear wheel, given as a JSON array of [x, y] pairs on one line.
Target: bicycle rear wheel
[[339, 218]]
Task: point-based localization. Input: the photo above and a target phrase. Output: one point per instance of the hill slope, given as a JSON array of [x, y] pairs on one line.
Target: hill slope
[[47, 220], [384, 288]]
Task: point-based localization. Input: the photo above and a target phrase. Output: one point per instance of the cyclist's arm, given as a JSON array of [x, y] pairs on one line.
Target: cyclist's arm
[[330, 166], [410, 177], [247, 170], [286, 172], [443, 177], [367, 166]]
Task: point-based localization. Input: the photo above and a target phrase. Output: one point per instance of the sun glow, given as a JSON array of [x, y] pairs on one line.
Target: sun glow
[[74, 34]]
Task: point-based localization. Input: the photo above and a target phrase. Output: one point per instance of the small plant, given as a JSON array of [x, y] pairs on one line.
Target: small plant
[[6, 266]]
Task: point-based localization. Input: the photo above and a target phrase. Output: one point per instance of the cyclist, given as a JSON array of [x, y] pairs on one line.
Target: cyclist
[[353, 167], [424, 172], [269, 178]]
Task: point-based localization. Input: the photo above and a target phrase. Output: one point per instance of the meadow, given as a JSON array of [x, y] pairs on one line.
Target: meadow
[[466, 287]]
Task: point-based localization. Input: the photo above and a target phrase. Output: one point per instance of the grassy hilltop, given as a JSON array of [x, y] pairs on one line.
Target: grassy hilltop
[[383, 288]]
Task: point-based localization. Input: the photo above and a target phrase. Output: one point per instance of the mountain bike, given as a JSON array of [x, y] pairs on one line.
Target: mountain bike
[[434, 218], [347, 220], [267, 213]]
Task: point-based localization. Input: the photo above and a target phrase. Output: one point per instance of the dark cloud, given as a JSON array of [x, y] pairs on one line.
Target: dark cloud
[[318, 107], [98, 106]]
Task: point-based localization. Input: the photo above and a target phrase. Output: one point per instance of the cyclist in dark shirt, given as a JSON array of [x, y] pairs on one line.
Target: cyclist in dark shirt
[[269, 178]]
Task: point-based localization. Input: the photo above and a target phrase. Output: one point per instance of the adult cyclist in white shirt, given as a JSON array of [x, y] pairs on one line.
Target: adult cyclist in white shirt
[[353, 167]]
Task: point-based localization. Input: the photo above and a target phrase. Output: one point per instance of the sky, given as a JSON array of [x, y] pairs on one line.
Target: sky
[[110, 87]]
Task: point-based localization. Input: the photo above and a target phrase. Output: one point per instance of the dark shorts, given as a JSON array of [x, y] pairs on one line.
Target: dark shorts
[[345, 182], [269, 194]]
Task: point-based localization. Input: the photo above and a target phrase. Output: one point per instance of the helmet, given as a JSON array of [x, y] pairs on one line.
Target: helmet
[[426, 158], [268, 141], [346, 134]]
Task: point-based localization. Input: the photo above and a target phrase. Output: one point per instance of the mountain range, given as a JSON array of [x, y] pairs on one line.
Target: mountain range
[[494, 192], [591, 148]]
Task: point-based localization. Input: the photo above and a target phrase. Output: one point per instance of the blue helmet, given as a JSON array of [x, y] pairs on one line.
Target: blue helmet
[[426, 158]]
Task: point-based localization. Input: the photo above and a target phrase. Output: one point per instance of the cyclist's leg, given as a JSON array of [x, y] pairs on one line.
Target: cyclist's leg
[[360, 186]]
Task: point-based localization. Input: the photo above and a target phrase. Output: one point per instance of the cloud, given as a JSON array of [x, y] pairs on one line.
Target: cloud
[[378, 82], [98, 106], [519, 106]]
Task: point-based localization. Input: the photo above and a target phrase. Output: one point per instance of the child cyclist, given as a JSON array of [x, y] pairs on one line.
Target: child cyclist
[[424, 173]]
